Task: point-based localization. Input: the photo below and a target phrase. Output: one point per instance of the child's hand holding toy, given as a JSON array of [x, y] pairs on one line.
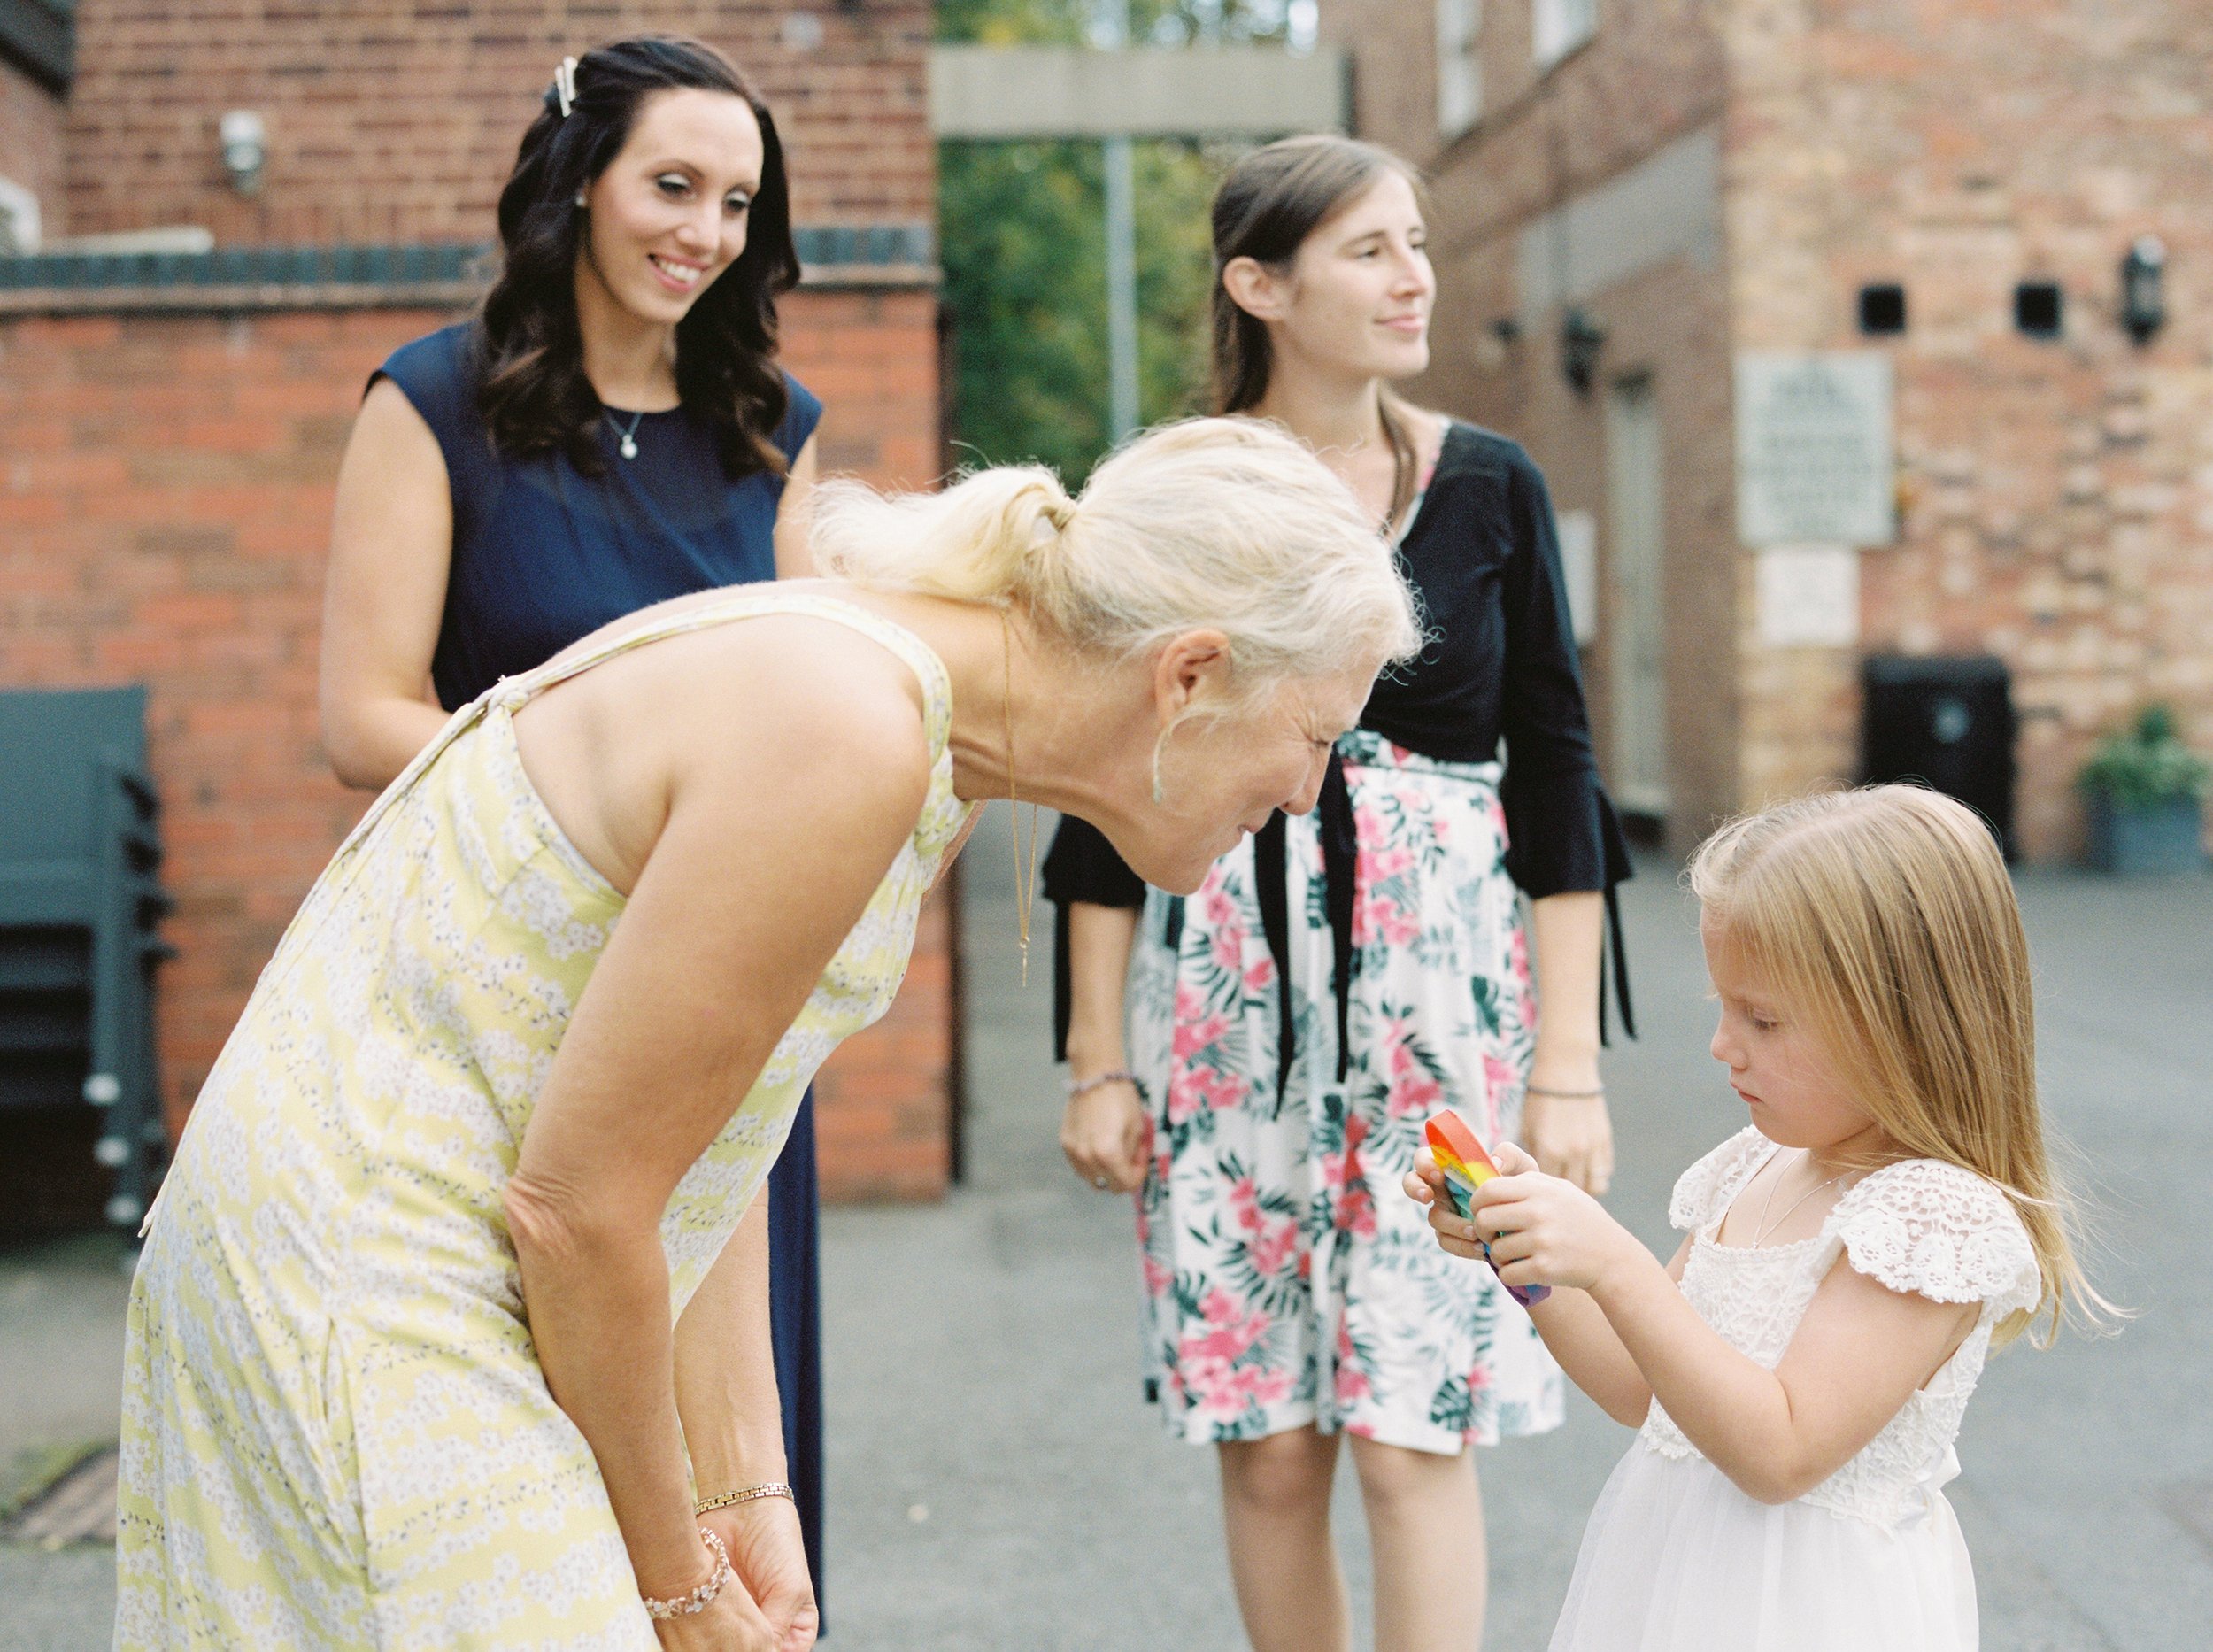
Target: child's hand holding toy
[[1535, 1230]]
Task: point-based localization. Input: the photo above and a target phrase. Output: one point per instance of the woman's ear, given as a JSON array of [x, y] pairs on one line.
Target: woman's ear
[[1255, 288], [1192, 668]]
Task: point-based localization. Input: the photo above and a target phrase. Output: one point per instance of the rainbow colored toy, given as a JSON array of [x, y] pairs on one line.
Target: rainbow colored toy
[[1468, 1167]]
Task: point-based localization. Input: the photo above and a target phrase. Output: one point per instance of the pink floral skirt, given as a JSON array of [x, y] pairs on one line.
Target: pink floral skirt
[[1287, 1279]]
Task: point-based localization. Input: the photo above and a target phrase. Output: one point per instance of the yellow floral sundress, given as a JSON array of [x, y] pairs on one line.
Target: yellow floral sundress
[[335, 1430]]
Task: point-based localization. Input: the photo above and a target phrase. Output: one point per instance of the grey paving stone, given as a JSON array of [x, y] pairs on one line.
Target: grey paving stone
[[999, 1485]]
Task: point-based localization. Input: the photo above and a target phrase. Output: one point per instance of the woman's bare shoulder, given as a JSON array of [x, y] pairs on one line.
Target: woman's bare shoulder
[[803, 694], [786, 710]]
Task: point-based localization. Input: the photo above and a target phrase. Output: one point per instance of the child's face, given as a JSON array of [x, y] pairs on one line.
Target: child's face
[[1777, 1065]]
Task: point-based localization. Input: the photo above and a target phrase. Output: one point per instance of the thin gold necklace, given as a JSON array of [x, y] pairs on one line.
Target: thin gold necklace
[[1025, 899], [1401, 461]]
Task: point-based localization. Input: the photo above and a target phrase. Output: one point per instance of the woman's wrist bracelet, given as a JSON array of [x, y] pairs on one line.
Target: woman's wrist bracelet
[[745, 1494], [1120, 1075], [1566, 1095], [696, 1601]]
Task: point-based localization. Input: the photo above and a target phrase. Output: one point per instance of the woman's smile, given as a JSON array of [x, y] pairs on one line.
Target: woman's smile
[[678, 274]]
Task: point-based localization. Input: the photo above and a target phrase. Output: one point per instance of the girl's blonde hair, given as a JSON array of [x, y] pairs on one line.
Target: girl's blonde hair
[[1230, 524], [1885, 917]]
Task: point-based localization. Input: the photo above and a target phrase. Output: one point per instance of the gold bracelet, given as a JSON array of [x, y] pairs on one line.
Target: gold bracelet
[[692, 1604], [730, 1500]]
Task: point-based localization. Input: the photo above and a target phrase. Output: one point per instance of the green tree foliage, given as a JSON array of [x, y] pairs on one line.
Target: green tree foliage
[[1022, 231], [1023, 228]]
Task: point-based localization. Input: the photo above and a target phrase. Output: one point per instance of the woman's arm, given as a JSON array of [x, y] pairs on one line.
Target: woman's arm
[[795, 557], [1858, 1355], [1557, 826], [1569, 1132], [767, 856], [1103, 1130], [726, 1367], [733, 1423], [391, 549]]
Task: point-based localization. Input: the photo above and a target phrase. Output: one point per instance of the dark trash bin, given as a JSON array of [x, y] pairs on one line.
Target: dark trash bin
[[1948, 723]]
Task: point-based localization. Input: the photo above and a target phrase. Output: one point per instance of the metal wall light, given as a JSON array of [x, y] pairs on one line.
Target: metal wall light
[[2144, 288], [1581, 338], [245, 143]]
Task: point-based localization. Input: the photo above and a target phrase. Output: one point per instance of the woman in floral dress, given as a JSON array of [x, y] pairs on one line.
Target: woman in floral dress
[[1351, 971]]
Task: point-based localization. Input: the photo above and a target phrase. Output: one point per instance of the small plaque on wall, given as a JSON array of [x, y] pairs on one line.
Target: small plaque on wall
[[1814, 448], [1579, 567], [1809, 596]]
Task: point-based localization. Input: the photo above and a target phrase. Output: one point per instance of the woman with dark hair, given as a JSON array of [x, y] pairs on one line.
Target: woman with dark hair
[[612, 429], [1348, 972]]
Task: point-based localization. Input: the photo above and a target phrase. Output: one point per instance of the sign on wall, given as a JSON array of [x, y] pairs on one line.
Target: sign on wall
[[1809, 595], [1814, 449], [1579, 569]]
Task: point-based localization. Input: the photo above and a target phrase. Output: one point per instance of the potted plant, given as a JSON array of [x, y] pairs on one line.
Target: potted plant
[[2145, 791]]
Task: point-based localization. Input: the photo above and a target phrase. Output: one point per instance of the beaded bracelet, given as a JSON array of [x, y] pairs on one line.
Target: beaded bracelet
[[730, 1500], [696, 1601], [1118, 1076]]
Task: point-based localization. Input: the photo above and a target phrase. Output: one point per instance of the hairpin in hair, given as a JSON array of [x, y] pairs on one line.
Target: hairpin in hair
[[564, 84]]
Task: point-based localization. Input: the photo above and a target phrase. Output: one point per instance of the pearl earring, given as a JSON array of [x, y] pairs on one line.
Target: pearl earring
[[580, 198]]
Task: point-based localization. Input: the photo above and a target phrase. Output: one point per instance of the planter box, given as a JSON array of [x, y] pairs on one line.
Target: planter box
[[2162, 841]]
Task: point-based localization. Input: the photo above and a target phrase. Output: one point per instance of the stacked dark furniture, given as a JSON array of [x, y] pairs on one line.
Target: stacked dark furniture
[[80, 900]]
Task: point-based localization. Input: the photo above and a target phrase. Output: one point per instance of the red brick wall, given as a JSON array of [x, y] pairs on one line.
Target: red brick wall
[[30, 141], [164, 497], [393, 121]]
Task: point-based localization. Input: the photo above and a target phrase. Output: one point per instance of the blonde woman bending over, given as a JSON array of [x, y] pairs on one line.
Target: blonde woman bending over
[[1798, 1373], [450, 1329]]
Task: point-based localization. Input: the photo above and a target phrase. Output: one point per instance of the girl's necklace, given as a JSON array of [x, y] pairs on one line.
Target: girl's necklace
[[1765, 1227]]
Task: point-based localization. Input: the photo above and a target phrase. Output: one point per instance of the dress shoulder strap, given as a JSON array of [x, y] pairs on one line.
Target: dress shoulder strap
[[1704, 1193], [744, 604], [510, 694]]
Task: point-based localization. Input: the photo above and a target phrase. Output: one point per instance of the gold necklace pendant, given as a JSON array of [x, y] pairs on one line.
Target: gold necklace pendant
[[1025, 898]]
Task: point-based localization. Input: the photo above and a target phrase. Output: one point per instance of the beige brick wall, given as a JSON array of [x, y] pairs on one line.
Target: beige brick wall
[[1654, 75], [2057, 498]]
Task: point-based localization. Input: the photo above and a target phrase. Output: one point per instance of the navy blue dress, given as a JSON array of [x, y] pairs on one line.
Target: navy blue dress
[[543, 555]]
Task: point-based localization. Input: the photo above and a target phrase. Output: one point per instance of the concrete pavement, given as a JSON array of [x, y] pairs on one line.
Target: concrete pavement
[[997, 1485]]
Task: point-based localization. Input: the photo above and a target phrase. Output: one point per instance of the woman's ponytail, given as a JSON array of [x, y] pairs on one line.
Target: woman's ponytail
[[1232, 523], [987, 538]]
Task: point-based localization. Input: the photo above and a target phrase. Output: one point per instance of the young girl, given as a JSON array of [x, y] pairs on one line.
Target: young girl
[[1799, 1371]]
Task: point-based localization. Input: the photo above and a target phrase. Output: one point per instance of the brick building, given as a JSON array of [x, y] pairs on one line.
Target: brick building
[[1729, 203], [171, 418]]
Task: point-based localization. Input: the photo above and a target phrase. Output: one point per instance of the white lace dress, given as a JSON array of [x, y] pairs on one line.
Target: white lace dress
[[1678, 1559]]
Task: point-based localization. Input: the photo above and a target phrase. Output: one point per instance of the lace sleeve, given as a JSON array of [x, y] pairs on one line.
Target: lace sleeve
[[1941, 1232], [1704, 1190]]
